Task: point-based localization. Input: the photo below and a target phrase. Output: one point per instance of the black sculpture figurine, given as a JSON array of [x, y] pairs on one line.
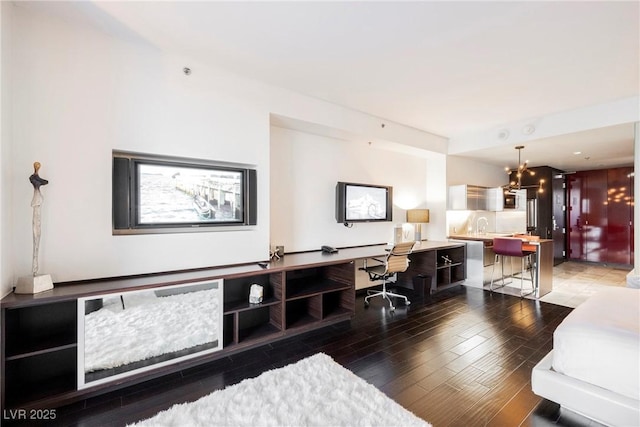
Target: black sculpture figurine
[[35, 179]]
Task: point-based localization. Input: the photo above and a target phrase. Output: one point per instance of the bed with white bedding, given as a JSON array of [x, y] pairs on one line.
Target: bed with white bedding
[[594, 367]]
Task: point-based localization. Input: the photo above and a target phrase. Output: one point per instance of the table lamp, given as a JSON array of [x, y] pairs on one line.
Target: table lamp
[[418, 217]]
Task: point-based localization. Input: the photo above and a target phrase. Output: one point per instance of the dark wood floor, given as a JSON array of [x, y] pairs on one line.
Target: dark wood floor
[[463, 358]]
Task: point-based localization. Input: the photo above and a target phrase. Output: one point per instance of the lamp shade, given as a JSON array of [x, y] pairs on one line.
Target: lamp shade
[[418, 215]]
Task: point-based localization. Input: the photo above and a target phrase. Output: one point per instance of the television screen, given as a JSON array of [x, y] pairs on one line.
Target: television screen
[[363, 202], [179, 194], [158, 194]]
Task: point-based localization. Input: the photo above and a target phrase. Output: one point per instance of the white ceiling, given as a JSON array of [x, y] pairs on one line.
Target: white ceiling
[[449, 68], [601, 148]]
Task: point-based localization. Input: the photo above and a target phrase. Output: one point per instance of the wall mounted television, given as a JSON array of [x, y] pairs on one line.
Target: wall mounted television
[[159, 194], [363, 202]]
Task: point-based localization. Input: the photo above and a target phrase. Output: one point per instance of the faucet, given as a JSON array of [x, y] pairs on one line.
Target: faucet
[[478, 225]]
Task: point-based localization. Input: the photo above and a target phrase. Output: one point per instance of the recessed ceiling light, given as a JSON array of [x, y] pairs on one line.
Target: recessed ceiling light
[[577, 152]]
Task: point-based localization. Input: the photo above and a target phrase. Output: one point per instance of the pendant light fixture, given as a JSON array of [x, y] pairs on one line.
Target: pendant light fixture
[[520, 171]]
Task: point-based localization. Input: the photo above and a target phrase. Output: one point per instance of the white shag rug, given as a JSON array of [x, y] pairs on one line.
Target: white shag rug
[[315, 391], [148, 326]]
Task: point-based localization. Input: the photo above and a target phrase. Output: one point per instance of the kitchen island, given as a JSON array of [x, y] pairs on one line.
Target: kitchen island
[[480, 259]]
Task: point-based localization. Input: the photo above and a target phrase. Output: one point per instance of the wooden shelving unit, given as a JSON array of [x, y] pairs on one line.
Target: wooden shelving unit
[[302, 292], [450, 268], [40, 352], [40, 343], [319, 293], [252, 321]]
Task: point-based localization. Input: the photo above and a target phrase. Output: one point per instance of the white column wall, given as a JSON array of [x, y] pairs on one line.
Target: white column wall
[[6, 252]]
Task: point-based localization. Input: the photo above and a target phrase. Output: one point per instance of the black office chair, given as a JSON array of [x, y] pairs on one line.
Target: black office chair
[[396, 261]]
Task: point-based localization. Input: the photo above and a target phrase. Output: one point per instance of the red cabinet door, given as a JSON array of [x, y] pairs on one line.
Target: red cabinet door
[[600, 204], [575, 217], [620, 209], [631, 216], [595, 206]]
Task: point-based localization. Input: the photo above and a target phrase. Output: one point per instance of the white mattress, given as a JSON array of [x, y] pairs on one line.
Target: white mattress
[[599, 342]]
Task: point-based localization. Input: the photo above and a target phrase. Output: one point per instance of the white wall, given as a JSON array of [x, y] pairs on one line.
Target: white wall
[[6, 260], [79, 93], [461, 170], [305, 168], [77, 96]]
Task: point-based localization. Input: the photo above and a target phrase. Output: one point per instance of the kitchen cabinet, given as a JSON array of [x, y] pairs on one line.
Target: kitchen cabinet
[[467, 198], [475, 198], [495, 199], [515, 200]]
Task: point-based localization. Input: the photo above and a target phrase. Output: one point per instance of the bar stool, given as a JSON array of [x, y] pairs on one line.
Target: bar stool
[[511, 247]]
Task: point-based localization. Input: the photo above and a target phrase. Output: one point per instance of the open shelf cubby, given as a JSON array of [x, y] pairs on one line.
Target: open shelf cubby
[[337, 304], [245, 322], [40, 329], [308, 282], [319, 293], [450, 267], [236, 292], [39, 376], [228, 328], [257, 324], [303, 311]]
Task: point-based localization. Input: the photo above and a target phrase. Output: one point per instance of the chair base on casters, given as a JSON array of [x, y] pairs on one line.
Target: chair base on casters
[[396, 261], [385, 294]]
